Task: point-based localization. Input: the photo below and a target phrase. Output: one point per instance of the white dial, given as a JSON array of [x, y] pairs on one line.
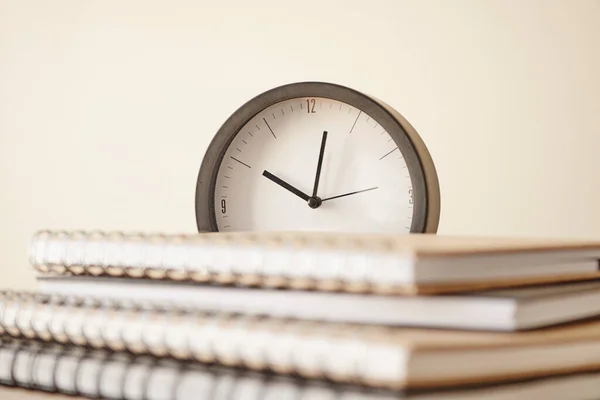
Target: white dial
[[267, 175]]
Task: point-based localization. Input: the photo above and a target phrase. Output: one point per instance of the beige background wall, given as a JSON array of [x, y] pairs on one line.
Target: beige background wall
[[106, 106]]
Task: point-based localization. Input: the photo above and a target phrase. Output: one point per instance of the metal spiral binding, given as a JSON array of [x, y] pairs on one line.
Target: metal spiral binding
[[35, 350], [13, 363], [146, 266], [186, 334], [60, 356], [217, 379]]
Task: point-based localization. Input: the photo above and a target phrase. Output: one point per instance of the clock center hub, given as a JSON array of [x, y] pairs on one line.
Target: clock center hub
[[314, 202]]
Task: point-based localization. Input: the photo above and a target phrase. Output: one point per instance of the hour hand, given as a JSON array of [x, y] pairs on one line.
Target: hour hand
[[285, 185]]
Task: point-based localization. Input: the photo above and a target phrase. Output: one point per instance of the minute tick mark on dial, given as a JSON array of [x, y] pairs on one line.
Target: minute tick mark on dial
[[250, 133], [353, 125], [241, 162], [388, 153], [270, 128], [257, 127], [244, 141], [238, 149], [273, 114]]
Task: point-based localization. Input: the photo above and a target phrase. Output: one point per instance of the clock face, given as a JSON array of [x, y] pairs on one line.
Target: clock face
[[313, 163], [283, 142]]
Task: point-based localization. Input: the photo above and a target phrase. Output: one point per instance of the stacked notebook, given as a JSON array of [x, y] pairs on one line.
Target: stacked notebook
[[305, 315]]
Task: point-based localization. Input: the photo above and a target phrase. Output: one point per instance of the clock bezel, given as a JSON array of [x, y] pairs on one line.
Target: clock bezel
[[425, 185]]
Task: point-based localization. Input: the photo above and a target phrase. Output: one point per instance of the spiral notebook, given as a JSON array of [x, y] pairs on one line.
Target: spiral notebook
[[509, 309], [392, 358], [332, 261], [94, 373]]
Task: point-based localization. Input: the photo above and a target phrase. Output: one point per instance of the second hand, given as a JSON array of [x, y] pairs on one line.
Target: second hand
[[349, 194]]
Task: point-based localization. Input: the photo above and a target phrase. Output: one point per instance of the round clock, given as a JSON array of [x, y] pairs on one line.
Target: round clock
[[321, 157]]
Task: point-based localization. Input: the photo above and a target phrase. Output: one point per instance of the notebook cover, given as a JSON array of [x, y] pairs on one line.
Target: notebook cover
[[17, 393]]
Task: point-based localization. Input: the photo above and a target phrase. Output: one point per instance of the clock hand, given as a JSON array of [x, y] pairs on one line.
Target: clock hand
[[348, 194], [319, 163], [285, 185]]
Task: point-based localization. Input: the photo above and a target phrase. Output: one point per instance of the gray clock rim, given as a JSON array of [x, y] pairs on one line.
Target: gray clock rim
[[425, 185]]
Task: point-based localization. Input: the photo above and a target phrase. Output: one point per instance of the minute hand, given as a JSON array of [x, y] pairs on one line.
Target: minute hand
[[348, 194]]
